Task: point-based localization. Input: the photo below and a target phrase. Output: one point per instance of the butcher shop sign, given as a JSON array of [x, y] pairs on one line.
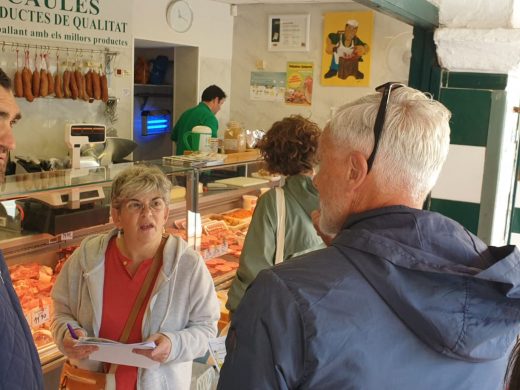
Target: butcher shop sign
[[93, 22]]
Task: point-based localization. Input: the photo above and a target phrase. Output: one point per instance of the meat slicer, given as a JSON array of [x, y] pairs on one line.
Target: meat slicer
[[77, 135]]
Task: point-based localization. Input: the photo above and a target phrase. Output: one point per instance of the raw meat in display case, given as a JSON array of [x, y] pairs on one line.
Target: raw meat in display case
[[33, 284]]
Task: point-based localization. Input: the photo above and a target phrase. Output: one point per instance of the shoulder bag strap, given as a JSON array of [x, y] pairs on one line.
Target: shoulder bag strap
[[280, 225], [156, 263]]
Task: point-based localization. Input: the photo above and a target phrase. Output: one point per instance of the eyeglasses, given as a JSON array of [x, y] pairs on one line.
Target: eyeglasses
[[136, 207], [380, 119]]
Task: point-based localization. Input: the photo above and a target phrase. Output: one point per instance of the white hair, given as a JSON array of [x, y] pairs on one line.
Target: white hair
[[413, 145]]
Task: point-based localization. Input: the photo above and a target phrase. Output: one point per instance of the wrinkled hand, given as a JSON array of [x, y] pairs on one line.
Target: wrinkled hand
[[315, 216], [74, 351], [161, 352]]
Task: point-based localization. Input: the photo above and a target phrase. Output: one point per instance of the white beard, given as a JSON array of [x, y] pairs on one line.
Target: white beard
[[331, 219]]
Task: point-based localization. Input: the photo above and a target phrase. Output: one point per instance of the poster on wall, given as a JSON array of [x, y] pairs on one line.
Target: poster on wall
[[299, 83], [289, 32], [267, 86], [347, 39]]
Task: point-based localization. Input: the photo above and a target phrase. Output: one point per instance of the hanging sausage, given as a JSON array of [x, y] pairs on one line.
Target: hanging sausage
[[44, 81], [18, 84], [27, 79], [58, 79], [36, 77]]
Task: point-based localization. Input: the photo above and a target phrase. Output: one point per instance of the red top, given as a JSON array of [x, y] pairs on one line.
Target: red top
[[120, 291]]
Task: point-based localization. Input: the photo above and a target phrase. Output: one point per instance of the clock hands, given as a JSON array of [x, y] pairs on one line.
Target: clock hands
[[180, 16]]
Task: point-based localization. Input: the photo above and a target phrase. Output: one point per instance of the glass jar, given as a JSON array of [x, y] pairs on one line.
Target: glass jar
[[234, 138]]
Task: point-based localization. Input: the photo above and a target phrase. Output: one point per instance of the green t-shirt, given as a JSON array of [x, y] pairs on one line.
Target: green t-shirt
[[200, 115]]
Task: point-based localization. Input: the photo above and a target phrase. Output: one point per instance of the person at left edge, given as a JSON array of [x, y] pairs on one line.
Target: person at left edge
[[99, 283], [203, 114], [20, 366]]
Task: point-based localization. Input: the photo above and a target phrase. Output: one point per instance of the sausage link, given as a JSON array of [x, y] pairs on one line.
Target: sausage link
[[58, 85], [44, 83], [96, 85], [36, 83], [104, 88], [26, 81], [50, 83], [18, 84], [66, 84]]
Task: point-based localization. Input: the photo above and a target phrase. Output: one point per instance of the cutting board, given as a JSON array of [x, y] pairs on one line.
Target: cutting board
[[248, 155], [242, 181]]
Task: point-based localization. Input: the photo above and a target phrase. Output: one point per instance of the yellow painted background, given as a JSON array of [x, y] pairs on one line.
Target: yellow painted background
[[335, 21]]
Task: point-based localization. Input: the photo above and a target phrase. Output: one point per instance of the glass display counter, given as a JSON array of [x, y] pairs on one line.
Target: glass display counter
[[206, 210]]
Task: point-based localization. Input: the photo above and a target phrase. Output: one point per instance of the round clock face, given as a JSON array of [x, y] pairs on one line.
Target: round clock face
[[179, 15]]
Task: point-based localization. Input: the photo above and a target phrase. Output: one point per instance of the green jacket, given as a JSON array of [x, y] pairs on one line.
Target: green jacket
[[301, 198], [200, 115]]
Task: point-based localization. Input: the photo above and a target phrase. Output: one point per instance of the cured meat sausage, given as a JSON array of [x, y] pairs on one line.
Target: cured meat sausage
[[66, 84], [104, 88], [74, 92], [36, 83], [88, 86], [18, 84], [50, 83], [96, 85], [26, 82], [44, 83], [58, 85], [50, 79]]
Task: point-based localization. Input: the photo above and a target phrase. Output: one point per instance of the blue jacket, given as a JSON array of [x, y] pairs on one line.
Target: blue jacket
[[20, 367], [403, 299]]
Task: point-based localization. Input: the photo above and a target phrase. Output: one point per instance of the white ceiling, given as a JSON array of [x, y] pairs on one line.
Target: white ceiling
[[282, 1]]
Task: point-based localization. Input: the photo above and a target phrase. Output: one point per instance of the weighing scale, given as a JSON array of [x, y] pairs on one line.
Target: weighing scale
[[64, 210], [80, 134]]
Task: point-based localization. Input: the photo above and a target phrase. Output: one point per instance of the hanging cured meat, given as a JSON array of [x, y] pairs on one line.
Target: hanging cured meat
[[27, 79]]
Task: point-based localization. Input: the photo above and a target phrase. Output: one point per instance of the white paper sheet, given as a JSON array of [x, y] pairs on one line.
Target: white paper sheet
[[113, 352], [217, 348]]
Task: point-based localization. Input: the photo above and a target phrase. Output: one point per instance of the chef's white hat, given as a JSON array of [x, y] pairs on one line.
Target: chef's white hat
[[353, 23]]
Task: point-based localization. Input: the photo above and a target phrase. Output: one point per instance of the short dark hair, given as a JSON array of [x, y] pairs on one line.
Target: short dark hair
[[5, 81], [290, 146], [213, 92]]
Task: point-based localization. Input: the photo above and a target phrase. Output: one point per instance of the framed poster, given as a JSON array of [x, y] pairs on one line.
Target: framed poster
[[268, 86], [298, 89], [289, 32], [347, 39]]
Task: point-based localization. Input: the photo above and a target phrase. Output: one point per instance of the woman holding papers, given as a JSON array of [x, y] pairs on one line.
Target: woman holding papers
[[101, 287]]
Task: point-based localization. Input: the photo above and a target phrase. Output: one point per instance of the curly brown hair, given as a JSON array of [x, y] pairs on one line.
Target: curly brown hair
[[290, 146]]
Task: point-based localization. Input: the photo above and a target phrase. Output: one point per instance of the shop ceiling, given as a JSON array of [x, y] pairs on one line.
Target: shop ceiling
[[238, 2], [421, 13]]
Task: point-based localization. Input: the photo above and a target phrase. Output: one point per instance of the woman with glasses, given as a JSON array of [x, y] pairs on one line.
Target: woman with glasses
[[136, 283]]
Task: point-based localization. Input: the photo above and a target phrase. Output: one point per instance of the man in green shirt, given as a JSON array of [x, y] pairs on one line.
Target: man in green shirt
[[201, 115]]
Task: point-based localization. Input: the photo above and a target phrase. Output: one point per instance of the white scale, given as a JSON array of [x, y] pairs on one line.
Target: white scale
[[77, 135]]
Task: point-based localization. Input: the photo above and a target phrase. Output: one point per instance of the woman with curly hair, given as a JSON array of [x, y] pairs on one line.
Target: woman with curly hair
[[289, 148]]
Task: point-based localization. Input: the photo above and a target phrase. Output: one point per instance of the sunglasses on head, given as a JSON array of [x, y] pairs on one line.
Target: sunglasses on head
[[385, 89]]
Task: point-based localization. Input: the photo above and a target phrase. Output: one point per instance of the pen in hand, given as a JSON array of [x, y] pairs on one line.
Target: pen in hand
[[72, 333]]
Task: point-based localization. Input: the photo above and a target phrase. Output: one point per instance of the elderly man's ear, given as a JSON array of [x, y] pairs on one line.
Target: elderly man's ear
[[357, 165]]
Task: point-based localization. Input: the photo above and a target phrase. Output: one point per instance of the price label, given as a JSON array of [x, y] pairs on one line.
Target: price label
[[40, 316], [67, 236]]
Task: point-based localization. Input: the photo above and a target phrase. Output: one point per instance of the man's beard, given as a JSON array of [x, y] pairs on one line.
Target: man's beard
[[331, 219]]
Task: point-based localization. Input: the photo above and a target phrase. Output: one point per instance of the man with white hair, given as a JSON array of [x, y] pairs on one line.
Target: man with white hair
[[347, 52], [402, 298]]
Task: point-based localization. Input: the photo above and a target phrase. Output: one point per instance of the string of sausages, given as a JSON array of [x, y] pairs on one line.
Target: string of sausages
[[73, 83]]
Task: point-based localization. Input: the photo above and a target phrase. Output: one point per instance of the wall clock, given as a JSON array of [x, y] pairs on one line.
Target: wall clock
[[179, 15]]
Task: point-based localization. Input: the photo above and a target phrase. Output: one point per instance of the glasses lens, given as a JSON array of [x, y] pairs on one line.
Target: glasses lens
[[134, 206]]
